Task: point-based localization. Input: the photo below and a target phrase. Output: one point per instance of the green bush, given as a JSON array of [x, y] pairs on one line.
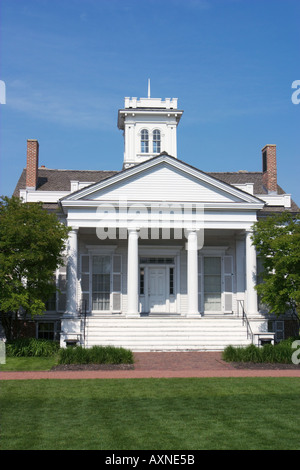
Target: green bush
[[95, 355], [278, 353], [29, 347]]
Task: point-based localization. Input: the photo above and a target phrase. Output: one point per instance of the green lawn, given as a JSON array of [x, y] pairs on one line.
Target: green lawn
[[28, 363], [154, 414]]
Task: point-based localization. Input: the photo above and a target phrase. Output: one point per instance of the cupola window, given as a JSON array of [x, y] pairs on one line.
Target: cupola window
[[144, 141], [156, 141]]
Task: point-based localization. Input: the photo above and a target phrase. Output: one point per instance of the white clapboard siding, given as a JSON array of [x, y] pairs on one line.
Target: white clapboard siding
[[163, 184]]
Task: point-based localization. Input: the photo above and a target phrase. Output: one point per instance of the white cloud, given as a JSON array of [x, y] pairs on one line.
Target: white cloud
[[72, 108]]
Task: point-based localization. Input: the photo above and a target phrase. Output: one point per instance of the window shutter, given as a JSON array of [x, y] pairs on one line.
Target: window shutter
[[85, 283], [228, 278], [117, 283]]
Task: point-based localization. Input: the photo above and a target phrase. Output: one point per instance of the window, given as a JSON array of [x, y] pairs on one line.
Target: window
[[142, 281], [101, 283], [171, 281], [212, 283], [46, 330], [156, 141], [144, 141], [51, 302]]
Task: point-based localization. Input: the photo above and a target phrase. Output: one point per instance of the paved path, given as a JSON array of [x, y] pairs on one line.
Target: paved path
[[162, 364]]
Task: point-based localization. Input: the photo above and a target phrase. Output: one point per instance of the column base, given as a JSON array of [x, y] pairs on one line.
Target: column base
[[70, 331], [193, 315], [132, 315]]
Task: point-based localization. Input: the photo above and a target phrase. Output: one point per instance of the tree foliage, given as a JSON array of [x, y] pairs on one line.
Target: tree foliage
[[277, 240], [31, 248]]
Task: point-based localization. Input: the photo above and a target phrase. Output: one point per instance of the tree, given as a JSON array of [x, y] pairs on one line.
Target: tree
[[32, 242], [277, 240]]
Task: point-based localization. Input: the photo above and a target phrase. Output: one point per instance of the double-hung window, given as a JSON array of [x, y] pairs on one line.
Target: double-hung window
[[145, 141], [156, 141], [101, 282]]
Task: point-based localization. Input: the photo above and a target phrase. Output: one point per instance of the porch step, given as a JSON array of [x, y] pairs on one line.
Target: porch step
[[166, 334]]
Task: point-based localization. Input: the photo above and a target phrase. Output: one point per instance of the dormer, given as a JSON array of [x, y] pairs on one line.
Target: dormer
[[150, 128]]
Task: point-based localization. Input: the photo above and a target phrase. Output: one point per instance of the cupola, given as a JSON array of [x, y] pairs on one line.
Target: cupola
[[150, 127]]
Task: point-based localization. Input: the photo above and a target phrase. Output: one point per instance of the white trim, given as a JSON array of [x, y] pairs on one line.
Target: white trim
[[172, 162], [101, 250]]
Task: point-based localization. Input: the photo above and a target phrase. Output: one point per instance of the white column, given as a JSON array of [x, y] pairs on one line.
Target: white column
[[251, 303], [133, 274], [71, 304], [192, 273], [240, 272]]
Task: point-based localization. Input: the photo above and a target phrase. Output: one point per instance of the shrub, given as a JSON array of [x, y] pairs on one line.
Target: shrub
[[28, 347], [95, 355]]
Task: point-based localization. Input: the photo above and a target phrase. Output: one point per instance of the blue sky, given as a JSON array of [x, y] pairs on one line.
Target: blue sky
[[68, 64]]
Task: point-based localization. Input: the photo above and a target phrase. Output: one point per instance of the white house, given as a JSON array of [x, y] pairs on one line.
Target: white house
[[160, 254]]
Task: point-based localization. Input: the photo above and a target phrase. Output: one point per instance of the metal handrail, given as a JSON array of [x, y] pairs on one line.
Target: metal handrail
[[245, 320], [82, 313]]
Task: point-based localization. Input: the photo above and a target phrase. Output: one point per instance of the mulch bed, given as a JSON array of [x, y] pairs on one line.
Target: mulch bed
[[93, 367], [236, 365], [264, 366]]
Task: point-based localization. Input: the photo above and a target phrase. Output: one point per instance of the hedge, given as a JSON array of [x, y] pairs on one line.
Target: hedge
[[278, 353], [95, 355], [29, 347]]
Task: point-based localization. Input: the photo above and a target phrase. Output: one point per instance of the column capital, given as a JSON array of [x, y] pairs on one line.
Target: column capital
[[133, 230], [73, 229]]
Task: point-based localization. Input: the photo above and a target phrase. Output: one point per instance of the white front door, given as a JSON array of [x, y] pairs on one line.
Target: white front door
[[157, 289]]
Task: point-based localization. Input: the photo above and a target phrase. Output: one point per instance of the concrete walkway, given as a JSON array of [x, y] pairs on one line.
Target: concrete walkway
[[164, 364]]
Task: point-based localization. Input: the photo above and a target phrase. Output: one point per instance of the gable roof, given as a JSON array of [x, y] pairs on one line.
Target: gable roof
[[163, 178], [60, 180]]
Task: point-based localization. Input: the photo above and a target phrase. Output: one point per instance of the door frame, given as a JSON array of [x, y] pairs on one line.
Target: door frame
[[172, 304], [165, 271]]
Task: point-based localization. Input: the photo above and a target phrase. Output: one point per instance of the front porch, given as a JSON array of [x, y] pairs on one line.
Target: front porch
[[143, 294], [155, 253]]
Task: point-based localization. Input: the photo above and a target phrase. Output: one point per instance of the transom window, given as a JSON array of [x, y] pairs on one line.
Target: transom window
[[145, 141], [152, 260], [156, 141]]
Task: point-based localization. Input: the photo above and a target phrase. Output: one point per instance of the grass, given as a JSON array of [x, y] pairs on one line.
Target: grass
[[28, 363], [160, 414], [17, 360]]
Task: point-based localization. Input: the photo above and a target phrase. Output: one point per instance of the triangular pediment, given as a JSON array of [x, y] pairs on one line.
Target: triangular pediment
[[162, 178]]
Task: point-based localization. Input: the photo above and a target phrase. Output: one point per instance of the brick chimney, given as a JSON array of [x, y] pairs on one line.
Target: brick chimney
[[269, 168], [32, 163]]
